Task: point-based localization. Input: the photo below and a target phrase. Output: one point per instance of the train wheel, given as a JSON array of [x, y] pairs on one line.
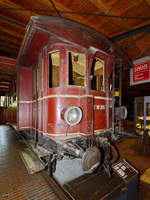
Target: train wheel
[[91, 159]]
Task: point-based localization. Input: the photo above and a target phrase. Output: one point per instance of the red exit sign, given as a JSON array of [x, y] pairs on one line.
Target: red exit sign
[[141, 72]]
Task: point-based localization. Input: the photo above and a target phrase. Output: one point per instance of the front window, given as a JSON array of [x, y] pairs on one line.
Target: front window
[[76, 69], [97, 75], [54, 69]]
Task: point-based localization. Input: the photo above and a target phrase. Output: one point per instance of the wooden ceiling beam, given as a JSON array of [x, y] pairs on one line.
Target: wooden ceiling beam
[[107, 9], [3, 89], [11, 32], [134, 41], [77, 18], [8, 54], [102, 6], [9, 44], [28, 8], [5, 46], [4, 81], [4, 84], [6, 76], [10, 39], [58, 6], [53, 4], [131, 33], [9, 23], [22, 17], [142, 53]]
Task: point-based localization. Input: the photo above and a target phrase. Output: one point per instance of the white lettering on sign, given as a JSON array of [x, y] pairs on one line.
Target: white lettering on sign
[[141, 72], [99, 107], [140, 67]]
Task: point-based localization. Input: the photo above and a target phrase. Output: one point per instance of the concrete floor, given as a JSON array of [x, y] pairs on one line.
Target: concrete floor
[[17, 184]]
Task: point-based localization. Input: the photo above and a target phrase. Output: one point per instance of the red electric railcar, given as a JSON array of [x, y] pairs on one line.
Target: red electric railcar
[[64, 90]]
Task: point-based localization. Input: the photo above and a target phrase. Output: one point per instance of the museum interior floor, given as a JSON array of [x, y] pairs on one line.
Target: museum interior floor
[[17, 184]]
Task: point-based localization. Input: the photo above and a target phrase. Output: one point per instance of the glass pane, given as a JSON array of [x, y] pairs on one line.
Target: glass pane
[[140, 118], [97, 75], [148, 117], [3, 101], [54, 69], [76, 69]]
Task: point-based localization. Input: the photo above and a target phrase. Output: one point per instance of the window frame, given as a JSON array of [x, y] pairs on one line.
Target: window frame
[[104, 78], [85, 67], [51, 52]]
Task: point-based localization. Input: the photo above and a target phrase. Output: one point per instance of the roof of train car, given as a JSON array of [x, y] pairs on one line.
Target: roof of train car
[[68, 31]]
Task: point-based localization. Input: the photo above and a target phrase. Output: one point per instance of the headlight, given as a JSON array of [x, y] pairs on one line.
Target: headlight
[[73, 115], [124, 112]]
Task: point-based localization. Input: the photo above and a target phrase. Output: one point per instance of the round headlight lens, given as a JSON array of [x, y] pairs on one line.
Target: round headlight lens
[[73, 115]]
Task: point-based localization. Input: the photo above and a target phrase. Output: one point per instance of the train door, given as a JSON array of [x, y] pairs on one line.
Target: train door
[[100, 70], [38, 94], [78, 79]]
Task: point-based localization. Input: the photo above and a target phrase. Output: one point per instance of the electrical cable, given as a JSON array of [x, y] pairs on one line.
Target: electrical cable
[[77, 13]]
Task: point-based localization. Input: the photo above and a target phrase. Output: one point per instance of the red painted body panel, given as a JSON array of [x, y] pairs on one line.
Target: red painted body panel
[[24, 98], [41, 107]]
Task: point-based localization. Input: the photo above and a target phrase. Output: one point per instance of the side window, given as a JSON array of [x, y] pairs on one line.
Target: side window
[[76, 68], [54, 69], [97, 75]]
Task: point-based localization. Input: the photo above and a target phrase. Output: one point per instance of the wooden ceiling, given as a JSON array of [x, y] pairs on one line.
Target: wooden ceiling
[[111, 18], [125, 22]]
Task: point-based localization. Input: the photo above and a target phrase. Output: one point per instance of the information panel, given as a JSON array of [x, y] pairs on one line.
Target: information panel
[[140, 73]]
